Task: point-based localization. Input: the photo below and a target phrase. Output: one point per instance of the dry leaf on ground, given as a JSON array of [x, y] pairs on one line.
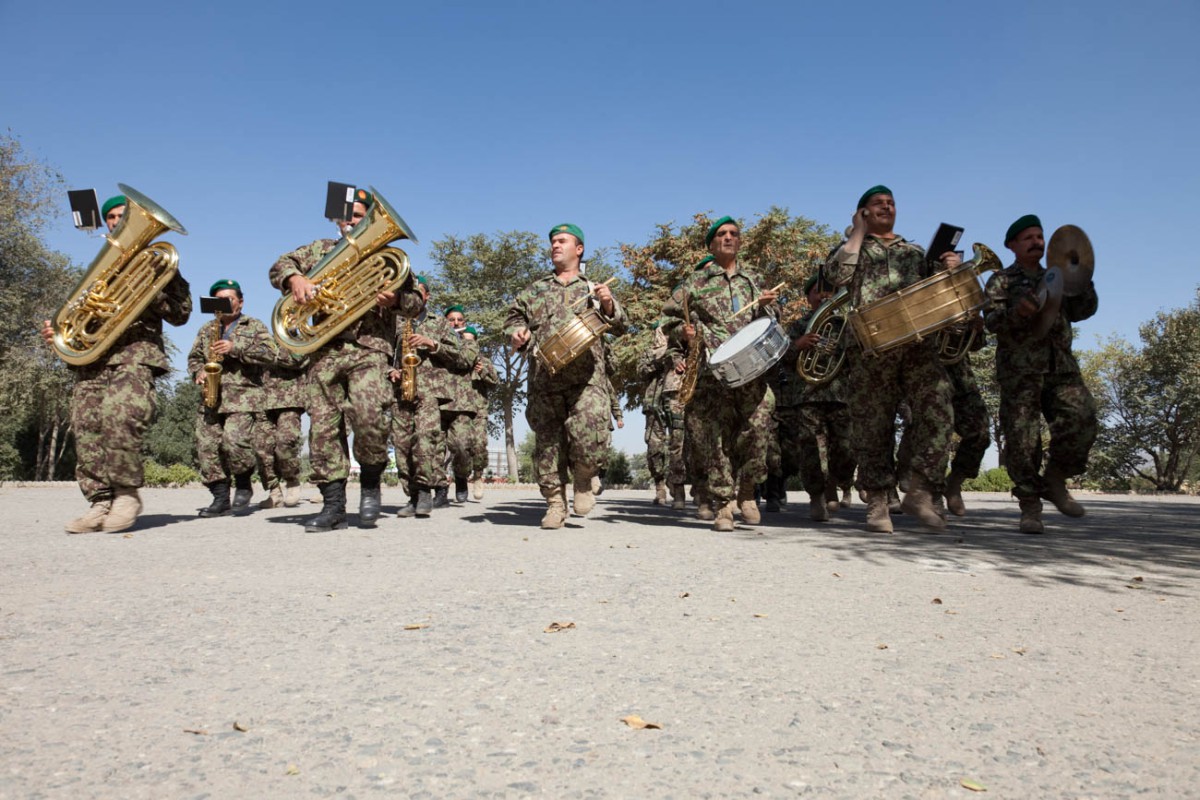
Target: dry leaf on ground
[[416, 626], [972, 785], [555, 627], [634, 721], [937, 601], [881, 647], [237, 726], [197, 731]]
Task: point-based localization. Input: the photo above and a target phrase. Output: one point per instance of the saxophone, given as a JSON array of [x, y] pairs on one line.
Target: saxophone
[[212, 371], [409, 360], [691, 372]]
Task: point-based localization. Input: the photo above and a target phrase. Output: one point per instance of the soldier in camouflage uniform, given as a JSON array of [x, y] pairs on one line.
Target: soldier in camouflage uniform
[[875, 262], [458, 411], [347, 379], [1039, 377], [661, 367], [971, 423], [730, 426], [225, 438], [568, 411], [114, 401], [483, 380], [809, 413], [417, 432], [277, 431]]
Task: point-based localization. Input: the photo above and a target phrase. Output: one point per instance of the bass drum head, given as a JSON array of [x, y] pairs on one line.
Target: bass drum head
[[740, 340]]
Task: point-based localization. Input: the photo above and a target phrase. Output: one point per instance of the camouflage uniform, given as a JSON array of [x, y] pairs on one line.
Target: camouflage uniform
[[660, 404], [458, 412], [225, 443], [113, 401], [567, 412], [417, 424], [970, 416], [277, 430], [1038, 378], [729, 428], [911, 372], [482, 382], [348, 376], [808, 413]]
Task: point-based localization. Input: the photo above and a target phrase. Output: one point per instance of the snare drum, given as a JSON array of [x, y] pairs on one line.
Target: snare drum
[[570, 341], [917, 311], [749, 353]]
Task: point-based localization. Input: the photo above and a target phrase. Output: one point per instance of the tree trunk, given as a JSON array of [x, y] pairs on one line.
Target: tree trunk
[[510, 447]]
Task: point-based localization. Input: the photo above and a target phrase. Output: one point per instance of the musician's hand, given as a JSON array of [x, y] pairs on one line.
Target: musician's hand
[[417, 340], [200, 378], [689, 332], [478, 368], [47, 331], [620, 423], [393, 374], [767, 298], [222, 347], [1027, 306], [807, 342], [303, 290], [385, 299], [976, 323], [858, 224], [519, 338], [950, 259], [680, 367], [604, 295]]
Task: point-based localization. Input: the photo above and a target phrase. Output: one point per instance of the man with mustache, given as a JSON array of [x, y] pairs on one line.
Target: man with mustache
[[1038, 378]]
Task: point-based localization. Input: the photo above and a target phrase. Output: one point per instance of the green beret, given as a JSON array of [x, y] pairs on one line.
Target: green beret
[[420, 279], [113, 202], [471, 330], [705, 260], [448, 309], [364, 197], [712, 229], [1027, 221], [811, 282], [224, 283], [874, 190], [567, 227]]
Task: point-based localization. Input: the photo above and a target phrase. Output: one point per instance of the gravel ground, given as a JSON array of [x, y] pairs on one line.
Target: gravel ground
[[241, 657]]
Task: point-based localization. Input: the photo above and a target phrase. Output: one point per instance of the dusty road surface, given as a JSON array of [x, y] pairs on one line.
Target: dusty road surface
[[243, 658]]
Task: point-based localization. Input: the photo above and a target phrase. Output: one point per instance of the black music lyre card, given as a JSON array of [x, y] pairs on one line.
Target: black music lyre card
[[945, 240], [338, 201], [85, 209]]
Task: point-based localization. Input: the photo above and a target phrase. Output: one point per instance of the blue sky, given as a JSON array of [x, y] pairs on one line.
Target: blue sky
[[476, 116]]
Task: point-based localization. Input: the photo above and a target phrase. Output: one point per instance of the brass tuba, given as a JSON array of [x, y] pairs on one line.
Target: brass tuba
[[820, 364], [122, 280], [348, 278], [953, 343]]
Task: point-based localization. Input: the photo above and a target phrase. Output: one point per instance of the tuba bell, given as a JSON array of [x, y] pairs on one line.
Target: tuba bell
[[348, 278], [954, 342], [820, 364], [122, 280]]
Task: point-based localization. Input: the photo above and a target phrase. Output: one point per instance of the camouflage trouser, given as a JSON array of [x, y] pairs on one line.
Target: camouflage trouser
[[657, 443], [347, 376], [732, 430], [225, 444], [877, 386], [972, 426], [570, 430], [419, 442], [676, 469], [1070, 412], [479, 444], [277, 443], [692, 468], [459, 427], [814, 423], [111, 407]]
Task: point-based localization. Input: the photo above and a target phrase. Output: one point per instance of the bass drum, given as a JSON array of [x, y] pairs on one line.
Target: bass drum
[[749, 353], [918, 311]]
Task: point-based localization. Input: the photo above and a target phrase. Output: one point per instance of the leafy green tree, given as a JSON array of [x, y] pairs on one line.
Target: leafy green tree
[[171, 439], [618, 472]]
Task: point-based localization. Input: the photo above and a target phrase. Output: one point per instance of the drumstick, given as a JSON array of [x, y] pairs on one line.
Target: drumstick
[[752, 305], [594, 288]]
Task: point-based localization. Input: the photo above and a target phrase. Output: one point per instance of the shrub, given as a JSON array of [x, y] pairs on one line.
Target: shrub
[[993, 480], [172, 476]]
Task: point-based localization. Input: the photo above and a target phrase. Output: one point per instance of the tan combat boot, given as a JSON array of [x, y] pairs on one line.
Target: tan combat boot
[[818, 508], [724, 518], [126, 506], [678, 498], [477, 487], [274, 499], [585, 487], [954, 500], [879, 519], [918, 502], [556, 508], [1056, 492], [92, 520], [704, 508], [831, 496], [291, 496], [1031, 515], [747, 504], [660, 493], [845, 498], [893, 501]]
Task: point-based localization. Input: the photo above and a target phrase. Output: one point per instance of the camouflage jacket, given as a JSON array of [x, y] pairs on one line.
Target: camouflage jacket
[[458, 378], [882, 267], [544, 307], [1019, 350], [434, 378], [792, 390], [242, 367], [373, 330], [142, 342], [283, 381], [714, 299], [482, 383], [656, 366]]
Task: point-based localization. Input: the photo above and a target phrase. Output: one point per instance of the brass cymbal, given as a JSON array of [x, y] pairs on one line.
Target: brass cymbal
[[1049, 296], [1071, 251]]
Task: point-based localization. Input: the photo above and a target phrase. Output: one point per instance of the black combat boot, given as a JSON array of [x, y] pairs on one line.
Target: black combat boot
[[243, 492], [424, 501], [409, 510], [369, 502], [220, 502], [441, 498], [333, 512], [460, 490]]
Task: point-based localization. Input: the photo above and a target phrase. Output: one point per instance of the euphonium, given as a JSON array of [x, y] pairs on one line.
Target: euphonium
[[691, 372], [348, 279], [122, 280], [820, 364], [409, 361], [212, 371], [954, 342]]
